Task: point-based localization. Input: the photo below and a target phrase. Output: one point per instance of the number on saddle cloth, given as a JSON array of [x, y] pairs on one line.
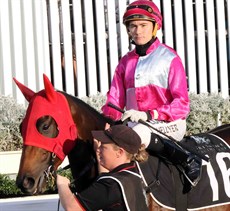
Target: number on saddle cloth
[[213, 188], [214, 185]]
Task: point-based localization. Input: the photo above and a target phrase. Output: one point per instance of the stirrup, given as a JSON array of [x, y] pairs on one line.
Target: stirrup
[[192, 169], [194, 182]]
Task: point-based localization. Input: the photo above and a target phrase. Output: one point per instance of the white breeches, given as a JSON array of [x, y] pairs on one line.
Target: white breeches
[[175, 129]]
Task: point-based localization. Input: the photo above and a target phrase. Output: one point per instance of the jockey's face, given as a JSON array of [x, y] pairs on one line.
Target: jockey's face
[[140, 31]]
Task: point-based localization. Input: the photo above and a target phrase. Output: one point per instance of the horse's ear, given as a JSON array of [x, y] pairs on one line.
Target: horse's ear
[[49, 89], [28, 93]]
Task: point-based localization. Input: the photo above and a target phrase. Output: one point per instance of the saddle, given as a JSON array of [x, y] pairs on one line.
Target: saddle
[[166, 185]]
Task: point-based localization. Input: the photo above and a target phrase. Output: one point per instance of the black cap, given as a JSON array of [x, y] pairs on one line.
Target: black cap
[[121, 135]]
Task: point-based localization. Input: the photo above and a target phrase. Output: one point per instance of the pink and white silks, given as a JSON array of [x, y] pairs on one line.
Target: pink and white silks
[[156, 81]]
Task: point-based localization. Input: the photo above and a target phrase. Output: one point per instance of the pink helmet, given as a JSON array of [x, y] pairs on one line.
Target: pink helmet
[[143, 10]]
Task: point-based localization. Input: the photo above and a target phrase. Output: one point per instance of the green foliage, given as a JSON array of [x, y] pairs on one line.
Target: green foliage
[[8, 187], [205, 109], [51, 183], [95, 101], [65, 173], [11, 115]]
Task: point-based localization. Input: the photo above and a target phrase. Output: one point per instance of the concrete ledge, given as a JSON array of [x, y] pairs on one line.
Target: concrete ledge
[[28, 203], [10, 161]]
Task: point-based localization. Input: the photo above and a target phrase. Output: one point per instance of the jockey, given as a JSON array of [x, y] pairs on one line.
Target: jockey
[[150, 83]]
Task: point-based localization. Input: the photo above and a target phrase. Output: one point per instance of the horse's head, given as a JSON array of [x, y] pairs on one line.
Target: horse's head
[[48, 133]]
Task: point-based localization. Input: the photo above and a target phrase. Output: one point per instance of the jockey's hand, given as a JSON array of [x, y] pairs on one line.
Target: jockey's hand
[[134, 115]]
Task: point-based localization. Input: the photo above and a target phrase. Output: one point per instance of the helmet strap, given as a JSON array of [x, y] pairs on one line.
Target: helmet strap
[[155, 30]]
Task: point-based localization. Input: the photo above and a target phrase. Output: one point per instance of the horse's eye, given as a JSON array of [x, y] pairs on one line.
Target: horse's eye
[[45, 127]]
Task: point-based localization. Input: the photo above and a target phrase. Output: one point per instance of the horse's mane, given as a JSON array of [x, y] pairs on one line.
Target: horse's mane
[[82, 103]]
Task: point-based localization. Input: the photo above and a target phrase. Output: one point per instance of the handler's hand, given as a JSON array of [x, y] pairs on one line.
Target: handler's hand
[[134, 115], [62, 180]]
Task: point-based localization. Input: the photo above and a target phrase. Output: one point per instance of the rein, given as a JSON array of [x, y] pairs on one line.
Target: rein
[[167, 136], [86, 168], [71, 186], [50, 174], [178, 144]]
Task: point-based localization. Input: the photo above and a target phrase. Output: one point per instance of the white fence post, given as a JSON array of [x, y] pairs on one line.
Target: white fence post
[[211, 39], [218, 120], [5, 48], [79, 48], [67, 46], [55, 43], [41, 43], [112, 27], [201, 51], [102, 38], [222, 50], [91, 71], [190, 46], [167, 19], [179, 35]]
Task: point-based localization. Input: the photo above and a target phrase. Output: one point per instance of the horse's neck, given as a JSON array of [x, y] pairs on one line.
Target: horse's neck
[[220, 128], [83, 164], [223, 132], [85, 117]]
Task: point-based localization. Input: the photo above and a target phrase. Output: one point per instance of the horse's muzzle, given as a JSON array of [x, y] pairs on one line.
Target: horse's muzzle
[[26, 184]]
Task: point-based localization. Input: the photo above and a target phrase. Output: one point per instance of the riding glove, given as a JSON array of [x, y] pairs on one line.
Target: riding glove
[[134, 115]]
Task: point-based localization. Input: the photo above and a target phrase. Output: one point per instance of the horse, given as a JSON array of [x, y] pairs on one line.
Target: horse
[[58, 124]]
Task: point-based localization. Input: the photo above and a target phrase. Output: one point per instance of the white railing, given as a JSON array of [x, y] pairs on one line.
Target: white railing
[[37, 36], [10, 162], [39, 203]]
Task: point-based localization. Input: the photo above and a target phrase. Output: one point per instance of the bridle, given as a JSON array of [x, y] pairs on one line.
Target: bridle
[[50, 173]]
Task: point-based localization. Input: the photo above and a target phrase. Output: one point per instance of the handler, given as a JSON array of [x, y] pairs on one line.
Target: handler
[[150, 83], [119, 189]]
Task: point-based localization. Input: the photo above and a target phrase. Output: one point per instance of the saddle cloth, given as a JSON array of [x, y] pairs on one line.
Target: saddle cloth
[[212, 190]]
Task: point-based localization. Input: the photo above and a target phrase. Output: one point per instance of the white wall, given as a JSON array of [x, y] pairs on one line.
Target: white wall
[[10, 161]]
